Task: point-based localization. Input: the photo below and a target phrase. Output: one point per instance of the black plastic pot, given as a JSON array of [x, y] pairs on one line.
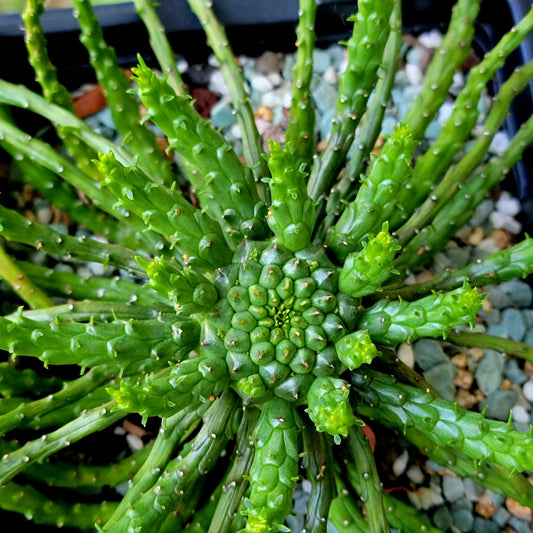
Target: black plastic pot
[[253, 27]]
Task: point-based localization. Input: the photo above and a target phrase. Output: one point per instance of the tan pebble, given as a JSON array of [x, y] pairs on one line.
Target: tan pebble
[[485, 506], [528, 368], [321, 146], [486, 305], [406, 355], [506, 384], [465, 399], [464, 233], [464, 379], [460, 360], [520, 511], [475, 237], [162, 143], [379, 144], [425, 275], [265, 112], [501, 237], [479, 395], [475, 353]]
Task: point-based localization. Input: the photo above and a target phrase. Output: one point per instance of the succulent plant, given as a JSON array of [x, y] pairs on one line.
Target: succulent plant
[[259, 301]]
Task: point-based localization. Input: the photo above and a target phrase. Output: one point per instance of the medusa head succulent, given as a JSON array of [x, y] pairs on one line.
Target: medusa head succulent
[[259, 313]]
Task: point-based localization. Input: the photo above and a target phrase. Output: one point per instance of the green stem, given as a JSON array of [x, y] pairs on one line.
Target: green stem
[[370, 485], [218, 41], [482, 340], [37, 450], [21, 284], [160, 45]]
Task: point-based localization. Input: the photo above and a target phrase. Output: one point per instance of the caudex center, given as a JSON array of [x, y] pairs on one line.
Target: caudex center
[[286, 318]]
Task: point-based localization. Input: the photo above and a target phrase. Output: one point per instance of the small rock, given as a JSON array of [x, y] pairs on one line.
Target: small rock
[[519, 292], [486, 506], [441, 378], [442, 518], [489, 371], [508, 205], [458, 256], [476, 236], [452, 488], [464, 379], [337, 55], [519, 526], [269, 62], [445, 112], [217, 84], [460, 360], [498, 298], [441, 262], [413, 55], [503, 221], [513, 323], [222, 115], [330, 76], [400, 463], [520, 511], [275, 79], [182, 65], [520, 414], [474, 491], [430, 39], [43, 211], [324, 96], [496, 241], [414, 73], [527, 315], [134, 442], [429, 353], [514, 373], [433, 130], [261, 83], [415, 474], [264, 112], [321, 60], [463, 519], [502, 516], [499, 403], [527, 389], [481, 214], [425, 497], [406, 355], [482, 525], [499, 143]]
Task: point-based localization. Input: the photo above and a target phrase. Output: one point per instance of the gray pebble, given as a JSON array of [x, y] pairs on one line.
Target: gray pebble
[[222, 115], [442, 518], [429, 353], [519, 525], [527, 390], [492, 317], [473, 491], [463, 519], [529, 338], [415, 474], [514, 324], [325, 123], [321, 60], [336, 54], [458, 256], [514, 373], [452, 488], [482, 525], [441, 262], [489, 371], [324, 96], [433, 130], [498, 330], [527, 315], [518, 291], [441, 378], [500, 403], [484, 209], [425, 497], [502, 516]]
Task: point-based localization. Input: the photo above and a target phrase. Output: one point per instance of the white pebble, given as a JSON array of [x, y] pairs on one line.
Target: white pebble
[[134, 442], [213, 61], [508, 205], [275, 79], [458, 80], [271, 100], [182, 65], [413, 73], [217, 83], [306, 486], [444, 112], [261, 83], [499, 143], [415, 474], [430, 39], [330, 76], [236, 131], [527, 389], [405, 354], [520, 414], [503, 221], [400, 464]]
